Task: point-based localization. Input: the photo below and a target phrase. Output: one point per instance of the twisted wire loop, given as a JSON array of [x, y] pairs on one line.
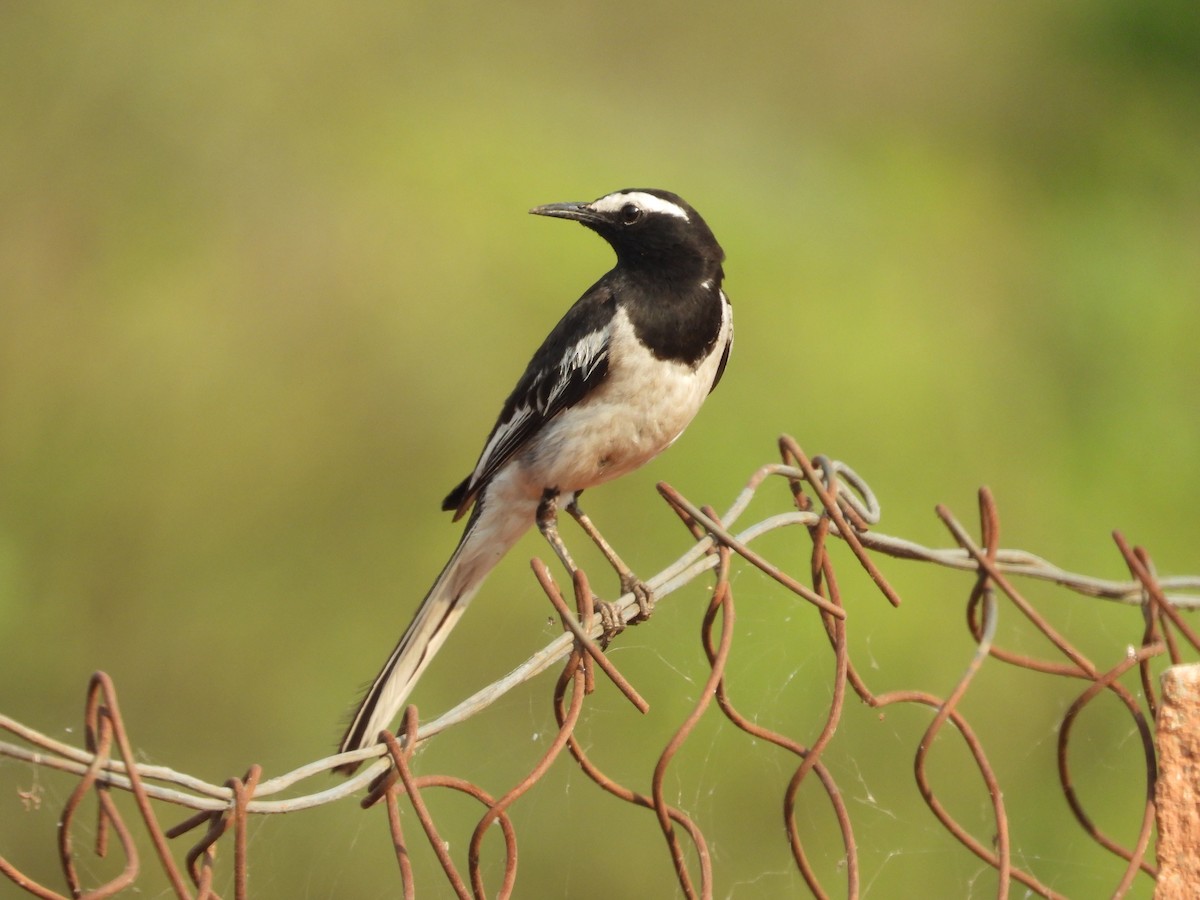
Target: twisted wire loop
[[829, 501]]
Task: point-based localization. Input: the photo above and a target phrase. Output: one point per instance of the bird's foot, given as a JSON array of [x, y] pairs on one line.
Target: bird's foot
[[611, 621], [631, 584]]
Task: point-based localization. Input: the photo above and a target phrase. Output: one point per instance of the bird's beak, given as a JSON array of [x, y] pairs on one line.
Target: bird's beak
[[580, 212]]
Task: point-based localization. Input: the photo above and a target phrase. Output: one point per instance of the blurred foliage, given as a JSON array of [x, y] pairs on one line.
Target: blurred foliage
[[266, 277]]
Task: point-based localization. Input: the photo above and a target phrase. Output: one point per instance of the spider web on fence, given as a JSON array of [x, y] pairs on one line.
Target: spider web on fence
[[825, 501]]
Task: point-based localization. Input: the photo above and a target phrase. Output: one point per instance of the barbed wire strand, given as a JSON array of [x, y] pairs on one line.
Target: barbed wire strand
[[828, 499]]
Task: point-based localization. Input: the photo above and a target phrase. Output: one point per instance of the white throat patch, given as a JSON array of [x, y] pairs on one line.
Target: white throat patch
[[650, 203]]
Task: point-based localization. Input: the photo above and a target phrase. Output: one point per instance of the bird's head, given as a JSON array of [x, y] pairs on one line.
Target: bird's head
[[645, 227]]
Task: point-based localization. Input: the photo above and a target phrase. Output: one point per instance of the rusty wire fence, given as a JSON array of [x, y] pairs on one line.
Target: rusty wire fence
[[820, 501]]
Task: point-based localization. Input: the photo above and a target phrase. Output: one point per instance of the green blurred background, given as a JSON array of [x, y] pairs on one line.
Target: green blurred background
[[266, 277]]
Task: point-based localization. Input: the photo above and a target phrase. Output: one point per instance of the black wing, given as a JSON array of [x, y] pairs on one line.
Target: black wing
[[570, 363]]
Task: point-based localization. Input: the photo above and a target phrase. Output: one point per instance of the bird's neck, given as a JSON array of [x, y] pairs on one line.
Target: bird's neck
[[680, 316], [679, 276]]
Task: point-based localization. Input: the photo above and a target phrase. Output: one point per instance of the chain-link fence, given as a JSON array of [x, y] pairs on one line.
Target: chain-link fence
[[825, 502]]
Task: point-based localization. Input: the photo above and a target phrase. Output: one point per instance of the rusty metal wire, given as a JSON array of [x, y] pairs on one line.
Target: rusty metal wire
[[826, 500]]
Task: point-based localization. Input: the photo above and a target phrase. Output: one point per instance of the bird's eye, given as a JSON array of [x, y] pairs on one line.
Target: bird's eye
[[630, 214]]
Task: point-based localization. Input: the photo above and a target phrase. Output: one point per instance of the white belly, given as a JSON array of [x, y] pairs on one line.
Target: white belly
[[623, 424]]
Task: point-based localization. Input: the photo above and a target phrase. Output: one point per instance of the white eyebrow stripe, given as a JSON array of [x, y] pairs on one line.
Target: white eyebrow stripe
[[648, 202]]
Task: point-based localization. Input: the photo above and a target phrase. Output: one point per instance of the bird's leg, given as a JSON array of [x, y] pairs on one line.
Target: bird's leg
[[630, 583], [547, 523]]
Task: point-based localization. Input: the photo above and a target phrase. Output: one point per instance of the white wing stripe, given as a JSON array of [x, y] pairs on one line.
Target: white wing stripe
[[581, 357], [520, 414]]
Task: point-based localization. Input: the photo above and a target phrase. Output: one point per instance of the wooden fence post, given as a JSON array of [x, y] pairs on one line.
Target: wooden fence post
[[1177, 795]]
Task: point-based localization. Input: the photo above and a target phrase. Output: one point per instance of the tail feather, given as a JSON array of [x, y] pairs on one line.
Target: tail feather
[[487, 537]]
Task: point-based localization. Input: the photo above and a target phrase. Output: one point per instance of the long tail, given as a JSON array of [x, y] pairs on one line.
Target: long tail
[[489, 534]]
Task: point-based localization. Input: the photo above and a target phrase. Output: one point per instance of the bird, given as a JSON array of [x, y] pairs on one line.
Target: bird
[[615, 383]]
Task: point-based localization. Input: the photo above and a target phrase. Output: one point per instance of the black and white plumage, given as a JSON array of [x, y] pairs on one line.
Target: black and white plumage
[[614, 384]]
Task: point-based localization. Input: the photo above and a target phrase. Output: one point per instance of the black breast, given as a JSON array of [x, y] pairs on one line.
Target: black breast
[[679, 322]]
